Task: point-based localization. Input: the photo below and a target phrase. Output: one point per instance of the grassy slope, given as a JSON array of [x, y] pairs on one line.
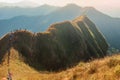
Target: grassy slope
[[107, 68]]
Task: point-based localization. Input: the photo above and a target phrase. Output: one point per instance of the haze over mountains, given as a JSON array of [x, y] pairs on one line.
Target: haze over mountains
[[22, 4], [10, 12], [108, 26]]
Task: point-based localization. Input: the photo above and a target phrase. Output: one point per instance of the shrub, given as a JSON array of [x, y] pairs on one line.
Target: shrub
[[81, 64], [113, 62], [117, 70], [92, 69]]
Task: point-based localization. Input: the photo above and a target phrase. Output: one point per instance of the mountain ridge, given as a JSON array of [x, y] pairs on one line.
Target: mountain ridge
[[10, 12], [71, 41]]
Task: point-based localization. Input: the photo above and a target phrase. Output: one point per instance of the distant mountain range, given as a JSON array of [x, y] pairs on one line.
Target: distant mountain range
[[10, 12], [107, 25]]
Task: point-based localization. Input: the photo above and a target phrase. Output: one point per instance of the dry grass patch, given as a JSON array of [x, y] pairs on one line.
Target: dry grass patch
[[113, 62], [117, 70], [92, 68], [107, 68]]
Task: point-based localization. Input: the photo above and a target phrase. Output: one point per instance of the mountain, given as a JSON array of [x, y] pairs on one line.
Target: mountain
[[63, 45], [10, 12], [107, 25]]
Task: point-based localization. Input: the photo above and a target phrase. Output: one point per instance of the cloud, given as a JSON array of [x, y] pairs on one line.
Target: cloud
[[11, 1]]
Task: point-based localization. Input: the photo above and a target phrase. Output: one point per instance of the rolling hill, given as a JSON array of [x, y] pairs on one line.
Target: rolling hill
[[107, 68], [107, 25]]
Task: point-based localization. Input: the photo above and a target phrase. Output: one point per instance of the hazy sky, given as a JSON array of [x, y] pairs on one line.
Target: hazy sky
[[111, 7]]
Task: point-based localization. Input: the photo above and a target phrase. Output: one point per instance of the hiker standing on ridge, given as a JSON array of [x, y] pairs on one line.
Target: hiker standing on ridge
[[9, 76]]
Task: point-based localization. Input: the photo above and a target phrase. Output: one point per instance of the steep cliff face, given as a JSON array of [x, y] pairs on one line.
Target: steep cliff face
[[94, 39], [62, 45]]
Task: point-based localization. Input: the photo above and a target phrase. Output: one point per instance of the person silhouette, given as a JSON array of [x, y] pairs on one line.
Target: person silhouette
[[9, 77]]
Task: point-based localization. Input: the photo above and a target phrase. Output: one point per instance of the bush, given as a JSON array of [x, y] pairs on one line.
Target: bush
[[113, 62], [81, 64], [92, 69], [117, 70]]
